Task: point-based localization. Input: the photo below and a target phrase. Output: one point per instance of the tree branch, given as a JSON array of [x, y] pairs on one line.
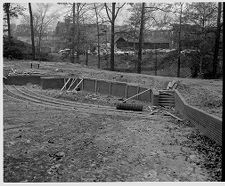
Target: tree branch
[[119, 9], [106, 8]]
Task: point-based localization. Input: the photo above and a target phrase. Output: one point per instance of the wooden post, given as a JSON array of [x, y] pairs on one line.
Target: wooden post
[[82, 85], [126, 91], [96, 85], [78, 84], [110, 88], [138, 90]]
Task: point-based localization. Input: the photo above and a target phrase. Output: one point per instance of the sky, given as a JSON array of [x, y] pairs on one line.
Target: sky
[[121, 19]]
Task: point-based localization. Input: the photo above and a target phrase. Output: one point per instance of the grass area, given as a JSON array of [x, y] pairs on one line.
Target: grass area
[[123, 63]]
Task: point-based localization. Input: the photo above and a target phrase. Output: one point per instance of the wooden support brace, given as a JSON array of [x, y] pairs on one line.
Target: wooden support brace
[[78, 84], [65, 84], [137, 94], [73, 81]]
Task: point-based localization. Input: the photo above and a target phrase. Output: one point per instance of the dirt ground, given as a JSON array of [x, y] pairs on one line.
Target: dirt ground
[[43, 144], [47, 144]]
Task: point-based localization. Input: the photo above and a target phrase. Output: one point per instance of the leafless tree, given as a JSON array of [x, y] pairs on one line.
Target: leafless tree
[[42, 21], [143, 14], [217, 40], [7, 10], [74, 32], [32, 31], [179, 9], [11, 10], [96, 9], [141, 38], [204, 15], [112, 15]]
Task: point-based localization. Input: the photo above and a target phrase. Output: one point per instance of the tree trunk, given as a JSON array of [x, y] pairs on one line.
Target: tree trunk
[[200, 65], [78, 35], [217, 42], [156, 62], [112, 37], [96, 14], [141, 39], [39, 47], [8, 22], [73, 36], [32, 31], [86, 60], [179, 43]]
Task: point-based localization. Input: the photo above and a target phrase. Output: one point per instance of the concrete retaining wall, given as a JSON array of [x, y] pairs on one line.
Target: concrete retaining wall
[[89, 85], [118, 89], [103, 87], [113, 88], [52, 82], [22, 79], [131, 91], [209, 125], [145, 96]]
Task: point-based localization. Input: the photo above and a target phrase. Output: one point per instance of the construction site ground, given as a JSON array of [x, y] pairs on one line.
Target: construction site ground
[[90, 144]]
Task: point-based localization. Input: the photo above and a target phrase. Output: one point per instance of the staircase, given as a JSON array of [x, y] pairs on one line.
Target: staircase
[[166, 98]]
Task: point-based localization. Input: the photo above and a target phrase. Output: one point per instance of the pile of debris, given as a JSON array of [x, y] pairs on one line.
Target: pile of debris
[[172, 85]]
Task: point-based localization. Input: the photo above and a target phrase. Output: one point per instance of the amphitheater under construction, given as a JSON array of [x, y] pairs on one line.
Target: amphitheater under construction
[[81, 129]]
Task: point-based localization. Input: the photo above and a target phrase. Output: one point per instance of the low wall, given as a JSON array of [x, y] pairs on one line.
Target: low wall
[[113, 88], [209, 125], [145, 96], [131, 91], [117, 89], [52, 82], [103, 87], [89, 85], [22, 79]]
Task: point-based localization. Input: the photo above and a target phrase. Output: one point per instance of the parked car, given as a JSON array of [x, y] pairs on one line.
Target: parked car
[[66, 50]]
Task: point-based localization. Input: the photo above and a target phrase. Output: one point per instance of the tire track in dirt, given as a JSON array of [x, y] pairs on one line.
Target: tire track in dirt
[[26, 95]]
